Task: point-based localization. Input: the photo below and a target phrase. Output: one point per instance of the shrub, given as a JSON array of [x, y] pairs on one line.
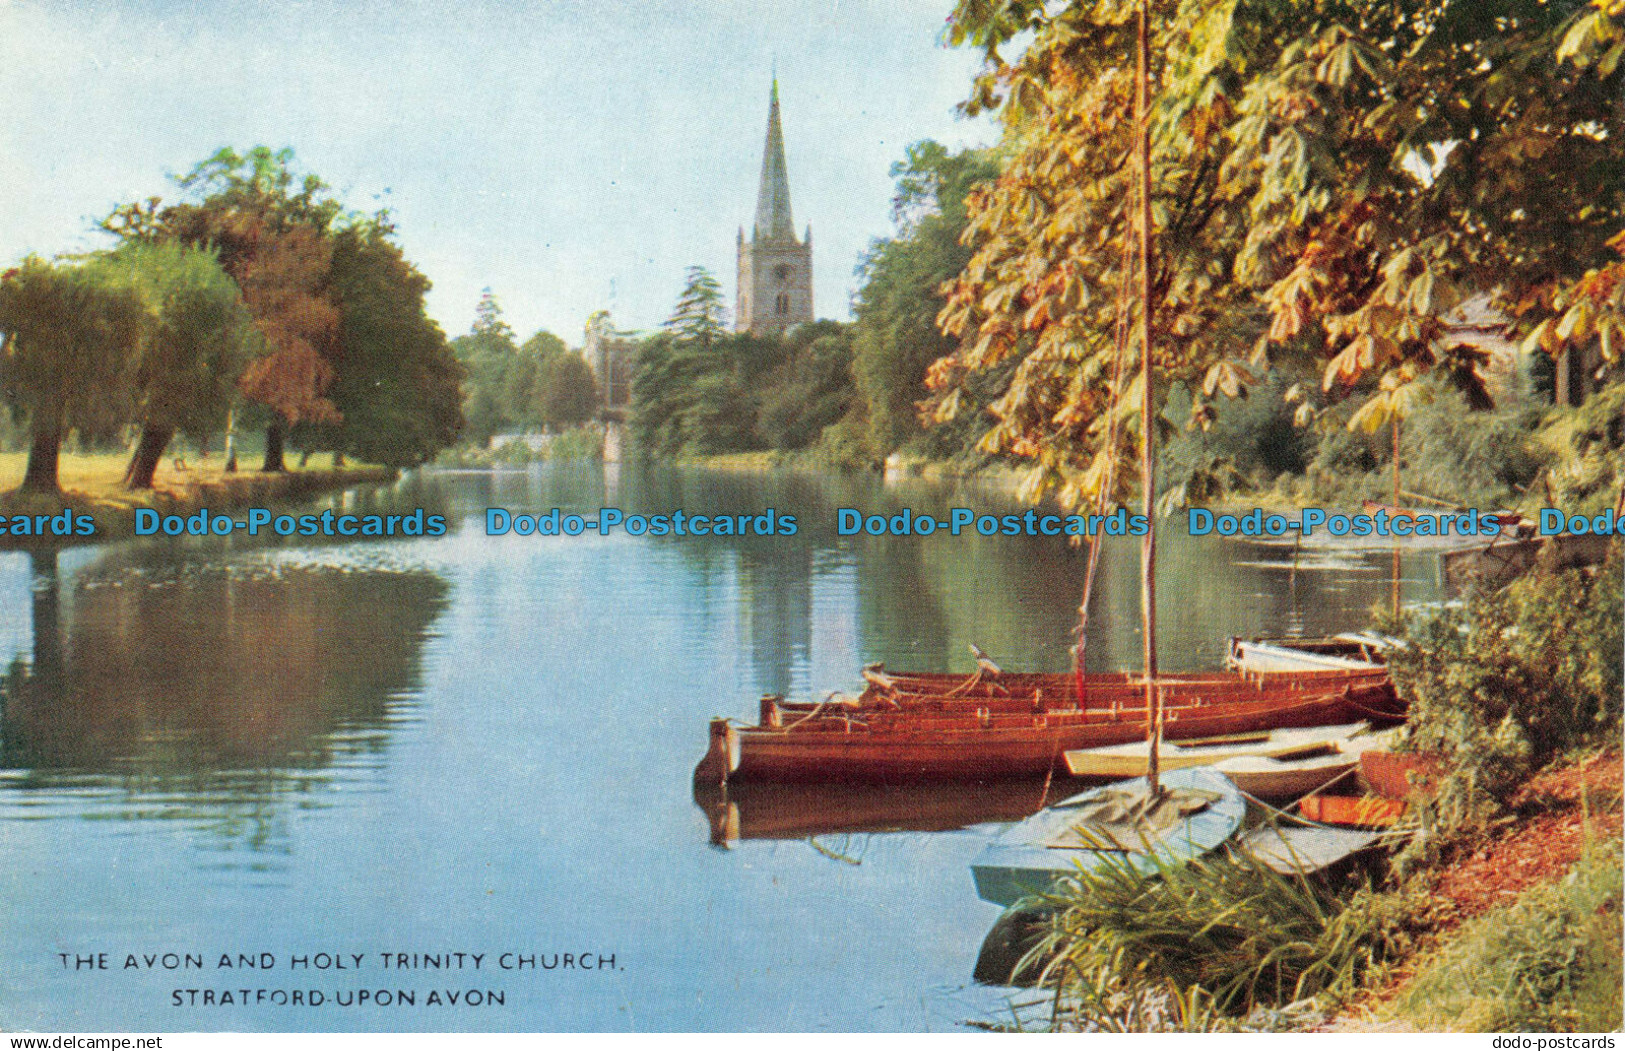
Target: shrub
[[1507, 682]]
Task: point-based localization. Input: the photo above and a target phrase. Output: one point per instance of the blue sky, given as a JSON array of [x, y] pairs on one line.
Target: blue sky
[[571, 155]]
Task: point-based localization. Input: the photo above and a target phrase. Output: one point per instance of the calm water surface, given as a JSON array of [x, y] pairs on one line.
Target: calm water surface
[[484, 744]]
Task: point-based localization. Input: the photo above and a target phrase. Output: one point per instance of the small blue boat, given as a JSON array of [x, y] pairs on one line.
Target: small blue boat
[[1088, 829]]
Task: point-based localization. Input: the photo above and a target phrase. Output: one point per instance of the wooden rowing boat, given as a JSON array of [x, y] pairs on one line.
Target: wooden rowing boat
[[1131, 760], [1359, 811], [1352, 651], [946, 728], [1268, 778]]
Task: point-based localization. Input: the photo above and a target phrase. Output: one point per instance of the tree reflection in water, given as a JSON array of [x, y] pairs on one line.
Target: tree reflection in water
[[218, 693]]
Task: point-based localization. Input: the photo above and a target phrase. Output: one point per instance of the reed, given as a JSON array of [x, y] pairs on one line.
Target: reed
[[1193, 945]]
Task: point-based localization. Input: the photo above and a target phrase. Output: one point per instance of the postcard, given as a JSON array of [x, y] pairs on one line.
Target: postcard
[[783, 517]]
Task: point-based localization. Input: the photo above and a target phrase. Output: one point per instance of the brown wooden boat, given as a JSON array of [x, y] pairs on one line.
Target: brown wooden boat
[[941, 727], [1359, 811]]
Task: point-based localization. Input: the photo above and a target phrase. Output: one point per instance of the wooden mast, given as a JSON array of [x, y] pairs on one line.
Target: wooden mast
[[1393, 411], [1148, 544]]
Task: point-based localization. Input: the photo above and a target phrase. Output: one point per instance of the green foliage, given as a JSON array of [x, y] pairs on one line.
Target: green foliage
[[199, 335], [1219, 935], [71, 336], [691, 399], [397, 383], [1486, 458], [809, 392], [485, 354], [1511, 680], [741, 392], [580, 443], [1245, 447], [536, 387], [895, 334], [1475, 459], [700, 318], [1585, 447], [1550, 963]]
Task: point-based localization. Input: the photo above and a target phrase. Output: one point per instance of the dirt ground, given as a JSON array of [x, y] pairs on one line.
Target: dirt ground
[[1543, 839]]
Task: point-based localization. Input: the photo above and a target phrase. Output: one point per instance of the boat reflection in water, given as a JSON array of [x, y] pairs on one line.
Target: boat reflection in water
[[769, 810]]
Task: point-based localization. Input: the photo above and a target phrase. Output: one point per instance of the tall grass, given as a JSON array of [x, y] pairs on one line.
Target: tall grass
[[1191, 944], [1548, 963]]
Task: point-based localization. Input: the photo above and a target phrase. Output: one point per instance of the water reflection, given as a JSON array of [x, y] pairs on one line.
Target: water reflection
[[209, 692], [802, 811]]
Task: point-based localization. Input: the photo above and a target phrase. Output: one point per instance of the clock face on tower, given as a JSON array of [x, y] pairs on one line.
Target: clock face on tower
[[781, 273]]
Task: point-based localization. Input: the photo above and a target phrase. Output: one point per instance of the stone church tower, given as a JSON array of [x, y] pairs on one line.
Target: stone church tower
[[775, 269]]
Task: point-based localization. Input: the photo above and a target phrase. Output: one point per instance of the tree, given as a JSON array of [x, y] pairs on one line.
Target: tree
[[810, 391], [273, 242], [1329, 179], [198, 337], [566, 393], [895, 333], [396, 386], [486, 354], [70, 334], [700, 318]]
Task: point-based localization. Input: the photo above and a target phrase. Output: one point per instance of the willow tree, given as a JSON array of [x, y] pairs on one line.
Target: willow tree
[[270, 231], [1329, 180], [197, 337], [68, 335]]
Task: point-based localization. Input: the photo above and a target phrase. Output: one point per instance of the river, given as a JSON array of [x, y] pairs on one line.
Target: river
[[400, 750]]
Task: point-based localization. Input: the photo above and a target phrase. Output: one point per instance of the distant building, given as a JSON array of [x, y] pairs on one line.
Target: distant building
[[612, 357], [1506, 369], [1477, 324], [775, 270]]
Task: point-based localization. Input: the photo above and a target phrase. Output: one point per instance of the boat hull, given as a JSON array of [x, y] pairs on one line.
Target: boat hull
[[1133, 760], [1022, 861], [904, 745]]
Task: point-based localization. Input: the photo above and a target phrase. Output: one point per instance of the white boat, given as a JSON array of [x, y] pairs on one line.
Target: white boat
[[1106, 826], [1361, 651], [1130, 760]]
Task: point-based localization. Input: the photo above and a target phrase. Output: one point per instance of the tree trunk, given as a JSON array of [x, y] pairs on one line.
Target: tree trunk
[[144, 464], [304, 460], [338, 464], [41, 476], [47, 589], [273, 448]]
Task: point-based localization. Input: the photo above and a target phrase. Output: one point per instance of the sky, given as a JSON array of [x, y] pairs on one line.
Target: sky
[[571, 156]]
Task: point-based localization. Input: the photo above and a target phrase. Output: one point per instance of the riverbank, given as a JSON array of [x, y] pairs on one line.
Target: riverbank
[[94, 485], [1519, 942]]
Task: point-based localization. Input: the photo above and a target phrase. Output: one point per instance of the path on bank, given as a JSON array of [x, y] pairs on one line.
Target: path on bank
[[94, 485]]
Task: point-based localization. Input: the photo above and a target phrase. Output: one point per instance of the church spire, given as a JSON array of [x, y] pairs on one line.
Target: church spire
[[773, 220]]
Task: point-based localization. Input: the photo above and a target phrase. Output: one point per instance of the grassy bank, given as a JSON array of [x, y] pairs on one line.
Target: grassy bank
[[94, 485]]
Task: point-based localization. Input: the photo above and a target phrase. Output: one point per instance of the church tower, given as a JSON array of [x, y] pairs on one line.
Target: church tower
[[775, 269]]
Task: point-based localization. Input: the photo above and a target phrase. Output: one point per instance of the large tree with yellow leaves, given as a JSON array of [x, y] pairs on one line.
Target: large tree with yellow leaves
[[1329, 179]]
